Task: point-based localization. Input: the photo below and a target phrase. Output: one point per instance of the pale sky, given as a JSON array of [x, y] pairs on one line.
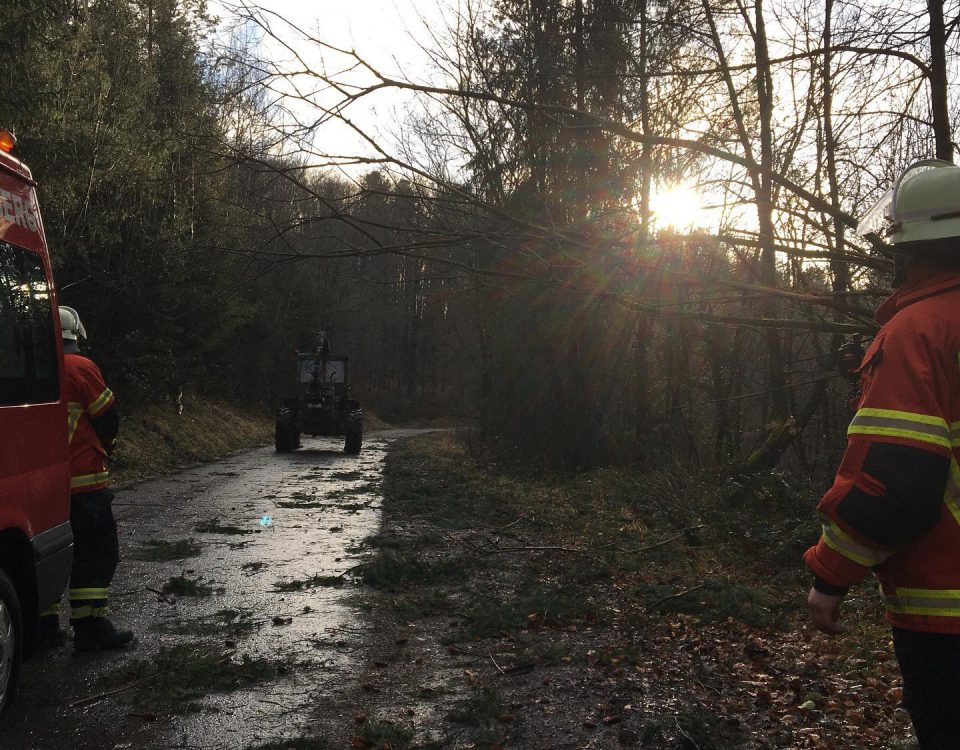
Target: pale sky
[[387, 33], [381, 29]]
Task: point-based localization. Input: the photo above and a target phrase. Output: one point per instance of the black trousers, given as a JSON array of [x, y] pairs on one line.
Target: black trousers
[[930, 665], [96, 552]]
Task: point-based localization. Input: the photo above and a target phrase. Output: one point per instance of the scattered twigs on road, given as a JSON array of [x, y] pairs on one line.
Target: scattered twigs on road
[[664, 542], [685, 735], [494, 548], [121, 594], [512, 523], [491, 546], [161, 596], [709, 687], [274, 703], [678, 595], [499, 669], [100, 696], [498, 550], [463, 542], [350, 570]]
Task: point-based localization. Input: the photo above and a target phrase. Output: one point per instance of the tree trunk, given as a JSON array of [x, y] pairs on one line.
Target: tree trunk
[[644, 322], [776, 379], [938, 81]]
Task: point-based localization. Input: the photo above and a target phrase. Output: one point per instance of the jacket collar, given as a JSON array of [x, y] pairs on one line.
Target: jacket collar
[[920, 284]]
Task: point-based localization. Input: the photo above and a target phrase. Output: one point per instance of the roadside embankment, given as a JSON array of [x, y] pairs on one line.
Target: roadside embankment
[[156, 439]]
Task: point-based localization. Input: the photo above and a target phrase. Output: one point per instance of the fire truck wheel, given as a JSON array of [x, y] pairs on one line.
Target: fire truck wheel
[[11, 640]]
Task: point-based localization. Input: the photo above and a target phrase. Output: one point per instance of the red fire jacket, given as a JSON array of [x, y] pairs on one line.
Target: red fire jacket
[[894, 506], [88, 399]]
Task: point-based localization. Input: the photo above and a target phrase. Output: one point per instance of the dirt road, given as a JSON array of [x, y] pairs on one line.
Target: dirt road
[[232, 578]]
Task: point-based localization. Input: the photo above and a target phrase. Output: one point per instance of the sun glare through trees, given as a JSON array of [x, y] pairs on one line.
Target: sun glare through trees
[[680, 208]]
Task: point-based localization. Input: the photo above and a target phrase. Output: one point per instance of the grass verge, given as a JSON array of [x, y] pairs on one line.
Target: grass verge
[[156, 439], [664, 606]]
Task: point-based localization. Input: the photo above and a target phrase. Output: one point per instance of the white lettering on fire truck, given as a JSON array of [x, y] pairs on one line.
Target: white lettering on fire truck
[[33, 212], [13, 210]]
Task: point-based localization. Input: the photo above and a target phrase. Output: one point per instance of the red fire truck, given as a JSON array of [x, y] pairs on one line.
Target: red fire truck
[[36, 544]]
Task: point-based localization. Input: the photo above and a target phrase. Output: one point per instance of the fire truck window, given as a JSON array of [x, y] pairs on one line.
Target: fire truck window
[[28, 350]]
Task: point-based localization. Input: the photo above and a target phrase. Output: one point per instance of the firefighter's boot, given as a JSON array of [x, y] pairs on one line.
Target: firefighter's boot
[[98, 634], [49, 633]]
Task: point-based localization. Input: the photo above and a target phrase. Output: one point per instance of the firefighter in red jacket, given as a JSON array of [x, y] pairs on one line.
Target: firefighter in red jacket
[[894, 507], [92, 424]]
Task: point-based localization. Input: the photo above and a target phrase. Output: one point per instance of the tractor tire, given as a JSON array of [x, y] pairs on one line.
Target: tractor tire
[[353, 430], [286, 435], [11, 640]]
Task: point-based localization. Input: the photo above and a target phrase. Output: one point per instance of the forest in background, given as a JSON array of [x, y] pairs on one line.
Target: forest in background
[[163, 209], [502, 261]]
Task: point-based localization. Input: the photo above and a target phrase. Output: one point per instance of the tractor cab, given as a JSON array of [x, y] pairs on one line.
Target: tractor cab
[[323, 390], [322, 405]]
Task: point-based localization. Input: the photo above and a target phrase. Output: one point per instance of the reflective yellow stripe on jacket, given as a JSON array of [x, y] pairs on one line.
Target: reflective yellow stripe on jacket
[[923, 428], [74, 412], [935, 602], [89, 480], [102, 400], [842, 543]]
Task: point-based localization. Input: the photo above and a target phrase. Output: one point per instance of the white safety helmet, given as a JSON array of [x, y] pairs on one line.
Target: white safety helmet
[[70, 326], [923, 205]]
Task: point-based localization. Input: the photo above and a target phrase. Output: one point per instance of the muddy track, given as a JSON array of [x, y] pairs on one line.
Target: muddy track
[[233, 579]]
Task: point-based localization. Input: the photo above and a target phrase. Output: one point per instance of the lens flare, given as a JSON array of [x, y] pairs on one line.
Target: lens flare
[[677, 207]]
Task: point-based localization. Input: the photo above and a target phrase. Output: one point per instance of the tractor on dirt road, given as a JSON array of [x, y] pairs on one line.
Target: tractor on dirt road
[[322, 406]]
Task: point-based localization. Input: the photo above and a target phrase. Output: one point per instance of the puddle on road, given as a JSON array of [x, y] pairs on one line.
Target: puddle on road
[[278, 610], [288, 579]]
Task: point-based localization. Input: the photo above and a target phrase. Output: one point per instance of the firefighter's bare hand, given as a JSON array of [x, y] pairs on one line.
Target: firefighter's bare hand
[[825, 611]]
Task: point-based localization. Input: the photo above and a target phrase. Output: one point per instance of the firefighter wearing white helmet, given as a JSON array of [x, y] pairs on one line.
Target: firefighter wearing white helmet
[[92, 425], [71, 329], [922, 206], [894, 507]]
